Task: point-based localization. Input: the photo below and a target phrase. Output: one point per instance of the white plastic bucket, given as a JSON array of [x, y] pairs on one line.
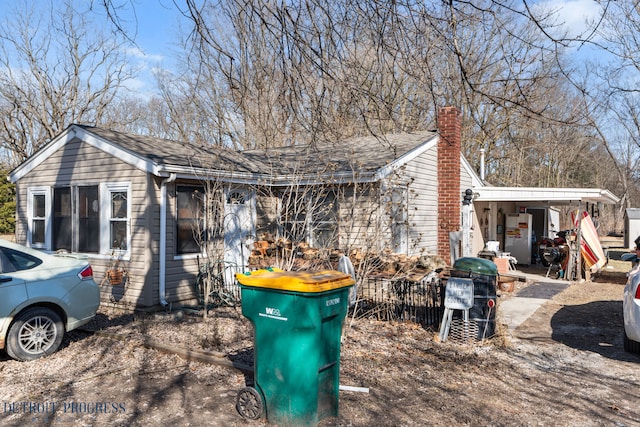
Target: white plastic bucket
[[493, 245]]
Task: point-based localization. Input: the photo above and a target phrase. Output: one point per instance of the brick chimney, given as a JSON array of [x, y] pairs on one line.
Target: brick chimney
[[449, 194]]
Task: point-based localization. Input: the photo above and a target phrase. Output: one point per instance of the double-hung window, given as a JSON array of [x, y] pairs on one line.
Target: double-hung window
[[116, 208], [38, 213]]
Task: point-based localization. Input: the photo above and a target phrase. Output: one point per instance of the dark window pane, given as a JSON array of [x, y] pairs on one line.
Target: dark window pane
[[62, 218], [39, 205], [119, 204], [187, 237], [88, 219], [190, 219], [37, 233], [119, 235]]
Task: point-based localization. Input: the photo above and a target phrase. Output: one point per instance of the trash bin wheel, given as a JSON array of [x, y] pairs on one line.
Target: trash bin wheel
[[249, 403]]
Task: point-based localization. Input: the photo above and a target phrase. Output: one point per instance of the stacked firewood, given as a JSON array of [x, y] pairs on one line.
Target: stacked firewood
[[268, 252]]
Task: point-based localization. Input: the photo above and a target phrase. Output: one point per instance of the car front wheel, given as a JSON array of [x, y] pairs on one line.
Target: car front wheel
[[35, 332], [630, 345]]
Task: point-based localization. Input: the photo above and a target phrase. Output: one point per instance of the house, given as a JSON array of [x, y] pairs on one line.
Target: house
[[138, 202], [155, 210]]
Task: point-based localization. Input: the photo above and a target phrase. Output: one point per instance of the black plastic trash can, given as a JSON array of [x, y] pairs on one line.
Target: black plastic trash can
[[484, 274]]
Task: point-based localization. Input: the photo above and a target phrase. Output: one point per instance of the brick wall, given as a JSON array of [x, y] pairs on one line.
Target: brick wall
[[449, 194]]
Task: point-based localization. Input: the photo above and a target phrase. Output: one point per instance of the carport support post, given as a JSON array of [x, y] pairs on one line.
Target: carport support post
[[466, 222], [579, 244]]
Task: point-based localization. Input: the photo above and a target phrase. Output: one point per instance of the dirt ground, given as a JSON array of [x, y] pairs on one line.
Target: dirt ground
[[564, 366]]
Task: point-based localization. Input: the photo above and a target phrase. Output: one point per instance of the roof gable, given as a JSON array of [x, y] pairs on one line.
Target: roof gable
[[475, 179], [157, 156]]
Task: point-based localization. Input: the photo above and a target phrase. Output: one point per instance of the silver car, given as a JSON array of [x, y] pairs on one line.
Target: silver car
[[41, 297]]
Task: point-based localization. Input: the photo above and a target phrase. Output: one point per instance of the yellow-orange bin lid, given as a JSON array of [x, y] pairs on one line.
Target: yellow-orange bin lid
[[298, 281]]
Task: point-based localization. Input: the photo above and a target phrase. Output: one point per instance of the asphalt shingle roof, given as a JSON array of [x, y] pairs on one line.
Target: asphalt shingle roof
[[355, 155]]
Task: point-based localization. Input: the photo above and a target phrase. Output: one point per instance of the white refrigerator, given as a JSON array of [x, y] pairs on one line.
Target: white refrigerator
[[518, 235]]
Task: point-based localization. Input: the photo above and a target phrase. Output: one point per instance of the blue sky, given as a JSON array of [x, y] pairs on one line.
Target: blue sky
[[572, 16], [154, 25], [573, 13]]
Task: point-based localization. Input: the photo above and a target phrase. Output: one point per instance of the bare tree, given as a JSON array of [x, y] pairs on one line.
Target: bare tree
[[271, 74], [611, 100], [56, 69]]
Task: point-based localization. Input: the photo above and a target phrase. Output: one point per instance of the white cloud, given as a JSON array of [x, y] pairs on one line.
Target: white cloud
[[139, 54], [573, 16]]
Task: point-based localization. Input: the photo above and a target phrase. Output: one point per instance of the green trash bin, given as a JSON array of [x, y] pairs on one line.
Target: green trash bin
[[297, 319], [484, 274]]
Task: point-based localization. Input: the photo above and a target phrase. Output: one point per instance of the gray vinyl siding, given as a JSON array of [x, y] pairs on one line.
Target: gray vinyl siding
[[465, 179], [359, 218], [267, 220], [148, 221], [82, 164], [423, 203], [181, 271]]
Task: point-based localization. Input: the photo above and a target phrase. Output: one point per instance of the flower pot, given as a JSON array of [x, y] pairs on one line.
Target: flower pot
[[115, 277]]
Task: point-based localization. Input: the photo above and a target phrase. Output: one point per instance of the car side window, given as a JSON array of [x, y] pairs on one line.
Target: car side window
[[11, 261], [5, 264]]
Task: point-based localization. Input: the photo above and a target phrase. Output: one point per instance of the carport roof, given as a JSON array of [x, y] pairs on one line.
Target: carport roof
[[551, 196]]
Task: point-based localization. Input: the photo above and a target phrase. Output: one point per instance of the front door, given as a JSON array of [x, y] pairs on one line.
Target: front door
[[239, 227]]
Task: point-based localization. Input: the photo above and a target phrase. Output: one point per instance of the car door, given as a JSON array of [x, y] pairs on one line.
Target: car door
[[13, 293]]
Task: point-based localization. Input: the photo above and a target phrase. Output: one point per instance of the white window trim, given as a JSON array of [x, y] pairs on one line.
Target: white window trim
[[35, 191], [105, 217]]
